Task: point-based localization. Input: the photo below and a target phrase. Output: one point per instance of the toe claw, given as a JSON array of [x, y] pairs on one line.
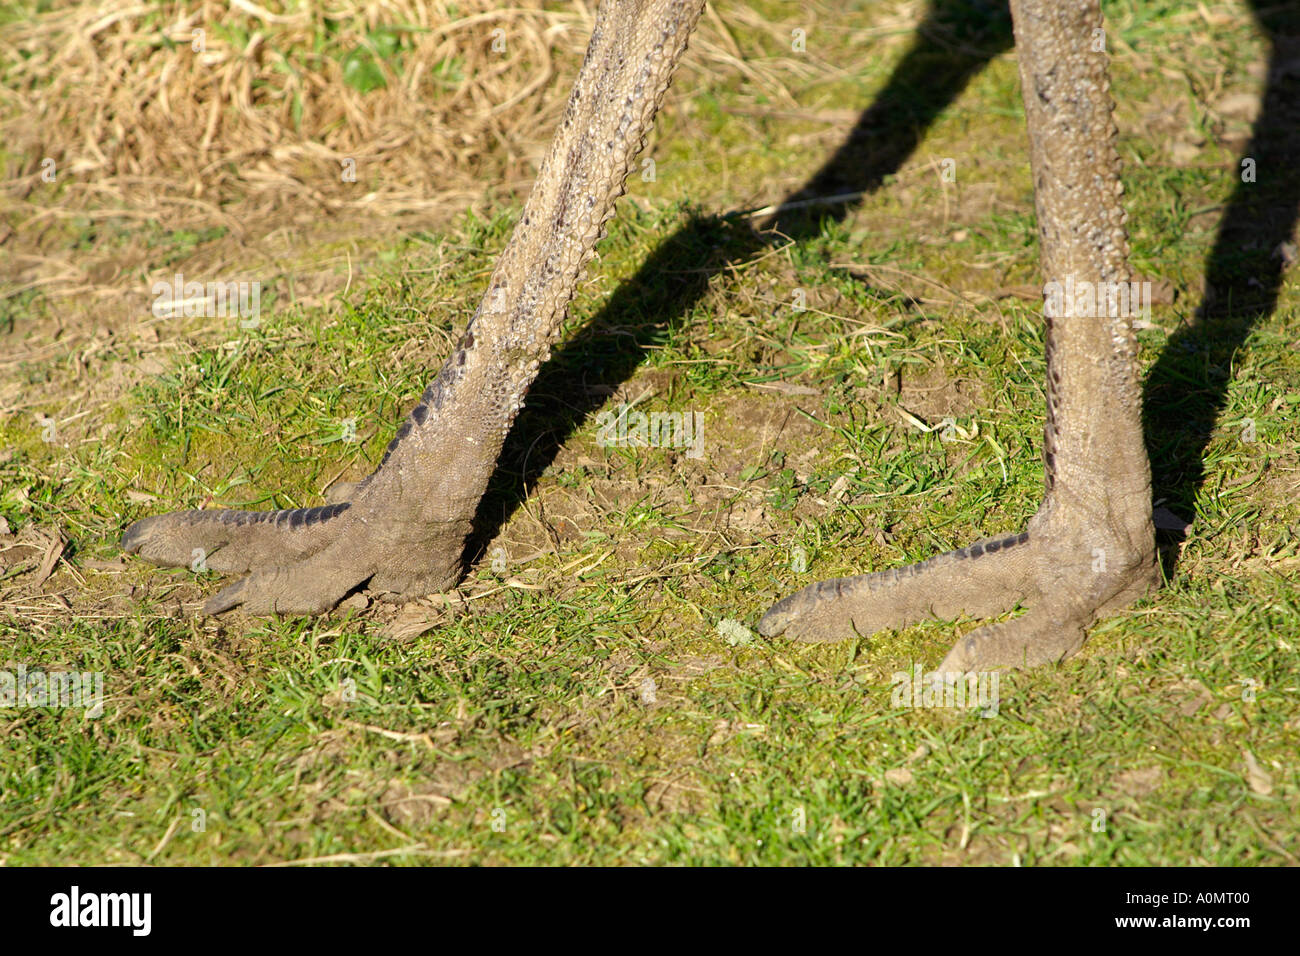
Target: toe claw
[[155, 539], [1038, 637], [225, 599], [133, 538], [777, 617], [808, 615], [312, 586]]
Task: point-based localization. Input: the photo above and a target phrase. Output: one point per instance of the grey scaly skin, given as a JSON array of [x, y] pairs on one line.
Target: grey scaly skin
[[1091, 546], [403, 528], [1089, 549]]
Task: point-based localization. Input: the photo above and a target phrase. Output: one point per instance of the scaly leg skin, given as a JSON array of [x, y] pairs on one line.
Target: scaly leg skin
[[403, 528], [1091, 547]]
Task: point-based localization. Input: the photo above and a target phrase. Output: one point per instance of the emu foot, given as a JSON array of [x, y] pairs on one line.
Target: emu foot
[[1065, 581], [306, 560]]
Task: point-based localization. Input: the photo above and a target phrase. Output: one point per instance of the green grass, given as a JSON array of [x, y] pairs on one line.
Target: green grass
[[514, 726]]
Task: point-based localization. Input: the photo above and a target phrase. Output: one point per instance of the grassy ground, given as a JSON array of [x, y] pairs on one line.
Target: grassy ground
[[869, 380]]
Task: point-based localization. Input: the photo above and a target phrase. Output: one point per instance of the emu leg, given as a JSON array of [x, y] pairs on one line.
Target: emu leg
[[1091, 546], [403, 528]]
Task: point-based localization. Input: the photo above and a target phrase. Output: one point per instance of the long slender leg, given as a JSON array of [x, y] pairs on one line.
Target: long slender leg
[[404, 527], [1091, 546]]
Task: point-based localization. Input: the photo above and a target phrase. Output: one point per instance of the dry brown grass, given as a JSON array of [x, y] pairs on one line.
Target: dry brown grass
[[239, 117], [145, 116]]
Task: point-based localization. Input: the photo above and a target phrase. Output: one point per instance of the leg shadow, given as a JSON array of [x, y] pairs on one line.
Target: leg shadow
[[1186, 389], [955, 41]]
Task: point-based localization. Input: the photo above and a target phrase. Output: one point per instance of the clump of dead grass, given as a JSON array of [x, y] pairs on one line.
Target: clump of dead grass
[[221, 113], [244, 118]]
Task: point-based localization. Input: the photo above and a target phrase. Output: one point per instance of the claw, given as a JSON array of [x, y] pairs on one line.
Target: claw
[[1039, 637], [1058, 583], [232, 541], [226, 599], [313, 586], [983, 580]]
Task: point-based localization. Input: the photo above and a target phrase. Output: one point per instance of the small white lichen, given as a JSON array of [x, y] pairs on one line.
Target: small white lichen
[[734, 633], [649, 692]]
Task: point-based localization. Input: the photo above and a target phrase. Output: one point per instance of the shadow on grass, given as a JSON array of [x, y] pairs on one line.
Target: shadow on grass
[[954, 43], [1186, 388]]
